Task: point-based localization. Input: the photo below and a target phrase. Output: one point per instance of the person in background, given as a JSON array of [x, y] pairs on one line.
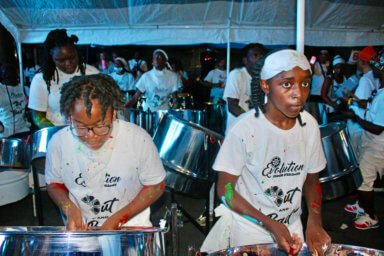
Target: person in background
[[158, 84], [137, 66], [333, 86], [12, 103], [29, 72], [269, 159], [320, 71], [101, 172], [177, 67], [103, 63], [368, 84], [123, 78], [371, 159], [238, 86], [216, 80], [59, 65], [111, 67]]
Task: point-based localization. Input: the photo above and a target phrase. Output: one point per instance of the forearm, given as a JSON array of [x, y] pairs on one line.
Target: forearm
[[313, 197], [146, 197], [40, 119], [227, 193], [60, 195], [209, 84], [134, 99], [371, 127]]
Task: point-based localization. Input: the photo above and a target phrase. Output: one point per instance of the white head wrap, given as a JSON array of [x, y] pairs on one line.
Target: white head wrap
[[337, 60], [123, 61], [283, 60], [163, 52], [166, 57]]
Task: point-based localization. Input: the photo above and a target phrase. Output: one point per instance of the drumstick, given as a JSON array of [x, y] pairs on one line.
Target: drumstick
[[351, 94]]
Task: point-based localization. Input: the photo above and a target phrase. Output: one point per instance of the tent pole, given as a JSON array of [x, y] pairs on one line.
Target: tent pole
[[20, 58], [228, 49], [300, 20]]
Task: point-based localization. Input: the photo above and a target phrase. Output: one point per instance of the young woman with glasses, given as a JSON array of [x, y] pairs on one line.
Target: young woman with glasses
[[101, 171]]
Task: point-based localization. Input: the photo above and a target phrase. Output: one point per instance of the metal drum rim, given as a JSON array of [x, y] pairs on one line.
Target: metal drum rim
[[337, 175], [342, 125], [58, 230], [194, 125]]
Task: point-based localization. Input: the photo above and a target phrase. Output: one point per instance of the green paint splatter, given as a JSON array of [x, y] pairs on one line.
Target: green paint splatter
[[229, 193], [67, 163], [262, 182]]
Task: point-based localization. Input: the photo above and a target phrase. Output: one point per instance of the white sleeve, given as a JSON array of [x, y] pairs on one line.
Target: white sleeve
[[53, 161], [232, 87], [140, 84], [316, 159], [364, 89], [232, 155], [209, 77], [179, 84], [151, 170], [38, 94], [378, 115], [91, 70]]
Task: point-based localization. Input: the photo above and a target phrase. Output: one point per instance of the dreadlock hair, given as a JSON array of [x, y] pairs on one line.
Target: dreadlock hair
[[56, 38], [257, 94], [91, 87]]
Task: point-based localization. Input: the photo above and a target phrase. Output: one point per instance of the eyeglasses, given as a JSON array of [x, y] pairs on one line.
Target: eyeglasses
[[84, 131]]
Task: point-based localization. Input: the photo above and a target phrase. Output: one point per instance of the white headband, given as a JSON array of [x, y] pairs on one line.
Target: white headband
[[283, 60], [163, 52], [337, 60], [123, 61]]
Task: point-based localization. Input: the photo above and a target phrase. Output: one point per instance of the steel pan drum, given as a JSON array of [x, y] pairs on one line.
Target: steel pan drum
[[14, 153], [39, 145], [271, 249], [181, 101], [342, 175], [216, 116], [187, 151], [56, 241]]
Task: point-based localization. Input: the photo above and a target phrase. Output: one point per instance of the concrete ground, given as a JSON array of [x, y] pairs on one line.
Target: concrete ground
[[337, 222]]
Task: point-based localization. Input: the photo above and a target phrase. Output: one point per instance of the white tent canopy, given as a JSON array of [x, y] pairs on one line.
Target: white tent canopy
[[166, 22]]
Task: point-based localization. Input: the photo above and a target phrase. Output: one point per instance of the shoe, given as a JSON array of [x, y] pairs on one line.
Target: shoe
[[354, 208], [365, 222]]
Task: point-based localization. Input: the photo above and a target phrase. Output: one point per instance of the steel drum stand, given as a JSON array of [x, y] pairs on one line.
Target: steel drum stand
[[38, 213], [174, 219]]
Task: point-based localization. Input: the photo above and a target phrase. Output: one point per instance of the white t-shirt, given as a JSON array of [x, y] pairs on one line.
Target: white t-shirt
[[41, 100], [272, 165], [238, 86], [367, 84], [215, 76], [19, 102], [158, 85], [125, 81], [375, 115], [103, 181], [318, 78]]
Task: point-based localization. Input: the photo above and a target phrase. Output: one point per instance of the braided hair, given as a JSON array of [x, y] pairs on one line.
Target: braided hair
[[257, 94], [91, 87], [56, 38]]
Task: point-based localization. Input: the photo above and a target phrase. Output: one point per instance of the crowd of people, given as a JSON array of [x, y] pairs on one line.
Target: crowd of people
[[267, 131]]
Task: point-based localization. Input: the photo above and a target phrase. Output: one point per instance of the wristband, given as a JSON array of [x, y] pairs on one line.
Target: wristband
[[349, 101]]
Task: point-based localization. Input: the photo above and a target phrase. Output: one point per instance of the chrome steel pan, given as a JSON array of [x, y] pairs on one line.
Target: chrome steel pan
[[341, 176], [39, 145], [56, 241], [14, 153], [187, 150], [271, 249]]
